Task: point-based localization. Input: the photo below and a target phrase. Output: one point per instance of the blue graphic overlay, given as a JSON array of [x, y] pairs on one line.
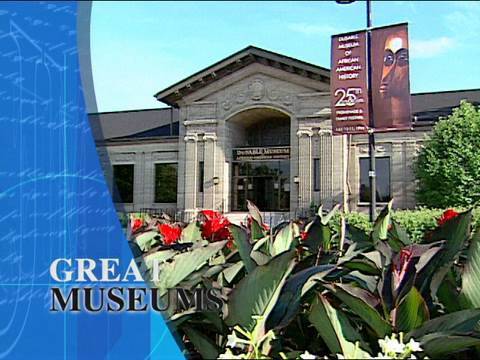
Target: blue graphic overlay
[[54, 202]]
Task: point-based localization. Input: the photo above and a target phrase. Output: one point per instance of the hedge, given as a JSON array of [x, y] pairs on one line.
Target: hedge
[[415, 222]]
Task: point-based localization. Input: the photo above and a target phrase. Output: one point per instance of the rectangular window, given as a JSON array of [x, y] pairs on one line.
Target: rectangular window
[[201, 176], [123, 182], [316, 174], [166, 183], [382, 165]]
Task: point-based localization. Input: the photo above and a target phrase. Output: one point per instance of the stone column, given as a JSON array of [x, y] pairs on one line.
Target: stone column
[[326, 167], [190, 173], [397, 175], [209, 188], [304, 169], [410, 152]]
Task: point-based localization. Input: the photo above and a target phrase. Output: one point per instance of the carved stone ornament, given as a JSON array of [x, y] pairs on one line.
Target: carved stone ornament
[[241, 97], [226, 104], [273, 94], [257, 89]]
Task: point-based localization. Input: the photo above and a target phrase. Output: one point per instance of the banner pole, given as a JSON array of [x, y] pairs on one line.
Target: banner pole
[[371, 123]]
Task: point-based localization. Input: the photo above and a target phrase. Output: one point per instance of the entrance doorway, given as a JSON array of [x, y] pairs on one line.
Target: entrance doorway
[[260, 159], [265, 183]]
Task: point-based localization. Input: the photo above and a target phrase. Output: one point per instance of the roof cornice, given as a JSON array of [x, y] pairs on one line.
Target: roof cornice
[[234, 62]]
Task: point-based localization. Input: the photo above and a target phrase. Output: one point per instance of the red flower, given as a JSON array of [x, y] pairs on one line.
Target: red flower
[[137, 224], [400, 265], [446, 216], [171, 233], [215, 227], [211, 214], [303, 235]]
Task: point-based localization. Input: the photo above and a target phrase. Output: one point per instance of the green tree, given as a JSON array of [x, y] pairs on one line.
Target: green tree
[[448, 166]]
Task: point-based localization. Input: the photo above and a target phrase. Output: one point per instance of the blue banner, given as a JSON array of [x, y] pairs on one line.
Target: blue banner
[[54, 202]]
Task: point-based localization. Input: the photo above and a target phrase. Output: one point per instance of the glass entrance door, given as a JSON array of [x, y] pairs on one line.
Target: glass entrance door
[[265, 183]]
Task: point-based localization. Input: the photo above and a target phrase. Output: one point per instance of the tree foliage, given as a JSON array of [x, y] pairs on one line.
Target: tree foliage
[[448, 166]]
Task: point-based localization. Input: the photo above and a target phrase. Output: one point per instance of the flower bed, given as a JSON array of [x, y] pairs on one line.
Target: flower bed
[[316, 289]]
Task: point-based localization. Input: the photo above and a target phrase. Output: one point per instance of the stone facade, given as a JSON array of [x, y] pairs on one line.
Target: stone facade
[[213, 113]]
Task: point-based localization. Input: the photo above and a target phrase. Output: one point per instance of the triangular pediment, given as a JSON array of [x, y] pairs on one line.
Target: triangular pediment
[[236, 63]]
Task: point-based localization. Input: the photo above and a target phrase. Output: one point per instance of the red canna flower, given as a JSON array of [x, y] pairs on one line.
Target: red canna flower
[[303, 235], [211, 214], [171, 233], [136, 224], [446, 216], [400, 265], [215, 226]]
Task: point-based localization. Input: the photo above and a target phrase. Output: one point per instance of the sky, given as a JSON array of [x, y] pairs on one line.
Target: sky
[[139, 48]]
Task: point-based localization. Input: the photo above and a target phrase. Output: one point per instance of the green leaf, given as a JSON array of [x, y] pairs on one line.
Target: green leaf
[[335, 329], [463, 321], [440, 344], [191, 233], [380, 227], [289, 302], [232, 271], [257, 293], [146, 240], [455, 231], [362, 304], [470, 293], [243, 245], [159, 257], [172, 273], [412, 311], [364, 265], [284, 239], [254, 212], [202, 344], [398, 235], [319, 236], [256, 227], [325, 219], [260, 250]]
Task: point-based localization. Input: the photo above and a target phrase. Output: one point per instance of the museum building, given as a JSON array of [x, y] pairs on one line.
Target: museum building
[[256, 125]]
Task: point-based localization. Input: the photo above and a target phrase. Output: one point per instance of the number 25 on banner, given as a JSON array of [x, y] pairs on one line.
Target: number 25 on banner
[[348, 97]]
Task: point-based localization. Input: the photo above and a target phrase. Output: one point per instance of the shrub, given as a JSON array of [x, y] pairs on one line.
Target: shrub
[[415, 222], [448, 166]]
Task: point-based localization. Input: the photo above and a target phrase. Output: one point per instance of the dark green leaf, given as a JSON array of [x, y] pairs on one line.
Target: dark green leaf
[[202, 344], [284, 240], [464, 321], [243, 245], [412, 311], [257, 293], [335, 329], [172, 273], [380, 227], [440, 345], [470, 293], [363, 304], [289, 301], [319, 236]]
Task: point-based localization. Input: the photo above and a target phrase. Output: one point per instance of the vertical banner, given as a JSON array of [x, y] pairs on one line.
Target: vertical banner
[[391, 108], [390, 78], [348, 83]]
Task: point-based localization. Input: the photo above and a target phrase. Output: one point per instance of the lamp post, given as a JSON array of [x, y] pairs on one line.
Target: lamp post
[[371, 122]]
